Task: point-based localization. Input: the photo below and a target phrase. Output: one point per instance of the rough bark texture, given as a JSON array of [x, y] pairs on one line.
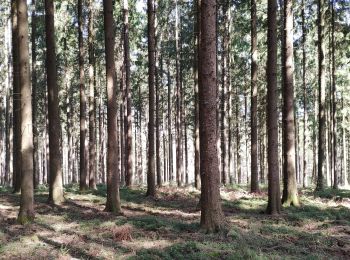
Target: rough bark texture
[[113, 197], [26, 211], [34, 96], [56, 186], [334, 106], [178, 122], [304, 92], [129, 177], [83, 128], [254, 100], [158, 80], [197, 180], [290, 192], [274, 200], [321, 96], [211, 212], [16, 157], [92, 101], [151, 186]]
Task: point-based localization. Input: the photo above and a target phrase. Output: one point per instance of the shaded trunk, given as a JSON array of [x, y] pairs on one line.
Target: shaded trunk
[[304, 93], [321, 96], [254, 186], [151, 186], [274, 200], [92, 101], [113, 197], [16, 159], [290, 192], [83, 128], [26, 211], [56, 186], [211, 212], [129, 177]]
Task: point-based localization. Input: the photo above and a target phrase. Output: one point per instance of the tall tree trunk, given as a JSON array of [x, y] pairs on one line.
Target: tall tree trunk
[[56, 186], [129, 177], [304, 92], [334, 107], [158, 82], [274, 200], [254, 100], [197, 178], [211, 212], [113, 197], [83, 128], [16, 96], [179, 155], [290, 192], [92, 101], [151, 186], [170, 141], [34, 95], [321, 96], [26, 211]]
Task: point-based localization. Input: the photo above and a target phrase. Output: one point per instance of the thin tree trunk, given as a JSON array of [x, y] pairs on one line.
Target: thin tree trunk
[[321, 96], [34, 95], [158, 80], [26, 211], [170, 126], [197, 177], [92, 101], [304, 93], [334, 108], [83, 128], [113, 198], [16, 96], [254, 100], [151, 186]]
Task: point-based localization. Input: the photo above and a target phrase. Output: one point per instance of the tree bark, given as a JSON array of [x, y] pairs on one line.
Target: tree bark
[[151, 186], [304, 92], [254, 187], [321, 95], [92, 101], [290, 192], [113, 174], [16, 157], [274, 200], [83, 128], [211, 212], [56, 186], [26, 211]]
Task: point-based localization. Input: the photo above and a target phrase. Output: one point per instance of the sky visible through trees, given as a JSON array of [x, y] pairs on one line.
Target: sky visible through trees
[[180, 115]]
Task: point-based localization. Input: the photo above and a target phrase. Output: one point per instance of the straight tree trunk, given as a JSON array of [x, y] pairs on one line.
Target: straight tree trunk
[[334, 107], [304, 93], [211, 212], [151, 185], [254, 187], [179, 155], [290, 192], [113, 198], [26, 211], [321, 96], [92, 101], [274, 200], [129, 177], [170, 126], [34, 95], [158, 80], [16, 96], [83, 128], [56, 186]]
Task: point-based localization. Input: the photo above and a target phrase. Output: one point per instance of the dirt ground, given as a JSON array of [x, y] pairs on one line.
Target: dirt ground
[[168, 227]]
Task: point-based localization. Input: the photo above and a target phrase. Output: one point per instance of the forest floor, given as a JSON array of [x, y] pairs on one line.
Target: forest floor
[[168, 227]]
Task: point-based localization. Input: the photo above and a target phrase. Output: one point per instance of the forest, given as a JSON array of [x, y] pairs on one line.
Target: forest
[[175, 129]]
